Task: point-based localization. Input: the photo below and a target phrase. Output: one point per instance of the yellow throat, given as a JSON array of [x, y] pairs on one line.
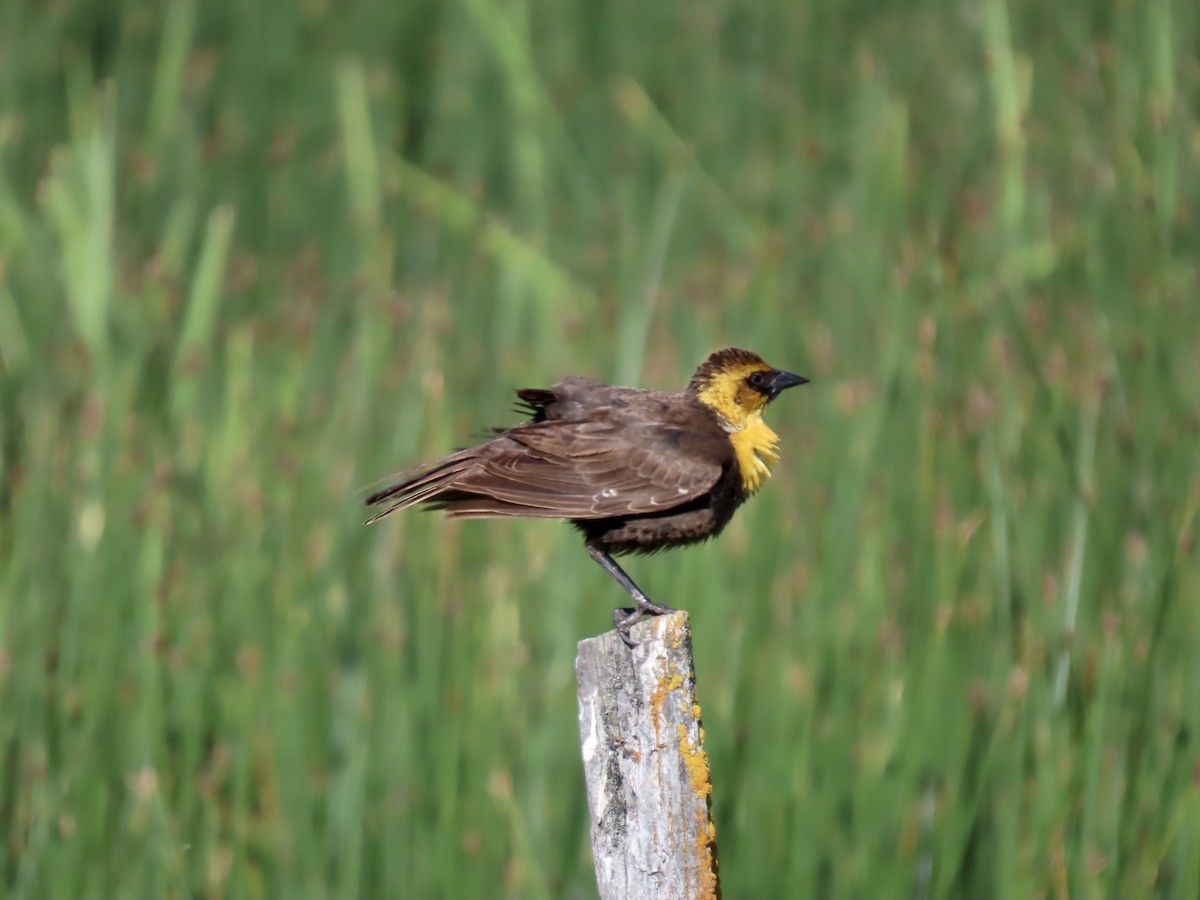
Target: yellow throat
[[752, 442], [740, 411]]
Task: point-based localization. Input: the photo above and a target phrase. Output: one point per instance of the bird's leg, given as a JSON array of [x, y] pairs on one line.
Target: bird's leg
[[624, 619]]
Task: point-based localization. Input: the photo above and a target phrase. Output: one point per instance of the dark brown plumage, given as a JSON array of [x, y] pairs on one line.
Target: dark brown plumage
[[636, 471]]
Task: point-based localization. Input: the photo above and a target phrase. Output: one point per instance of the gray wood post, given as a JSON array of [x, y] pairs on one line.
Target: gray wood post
[[644, 762]]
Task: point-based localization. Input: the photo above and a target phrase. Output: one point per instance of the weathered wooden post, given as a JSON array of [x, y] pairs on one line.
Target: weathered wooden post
[[644, 762]]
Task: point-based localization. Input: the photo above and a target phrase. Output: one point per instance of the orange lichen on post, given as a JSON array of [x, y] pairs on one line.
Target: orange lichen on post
[[676, 633], [669, 683], [696, 762], [707, 851]]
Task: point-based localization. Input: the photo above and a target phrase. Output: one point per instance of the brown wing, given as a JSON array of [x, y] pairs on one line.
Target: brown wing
[[568, 470]]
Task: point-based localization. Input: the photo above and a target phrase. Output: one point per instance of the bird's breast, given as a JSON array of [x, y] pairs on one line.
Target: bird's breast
[[753, 444]]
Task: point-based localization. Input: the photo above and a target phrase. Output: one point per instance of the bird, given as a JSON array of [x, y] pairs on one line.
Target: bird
[[635, 471]]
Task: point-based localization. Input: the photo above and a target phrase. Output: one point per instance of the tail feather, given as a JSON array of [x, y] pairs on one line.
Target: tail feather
[[420, 485], [479, 506], [455, 484]]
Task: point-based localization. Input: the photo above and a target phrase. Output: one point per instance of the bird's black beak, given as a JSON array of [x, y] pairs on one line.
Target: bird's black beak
[[781, 381]]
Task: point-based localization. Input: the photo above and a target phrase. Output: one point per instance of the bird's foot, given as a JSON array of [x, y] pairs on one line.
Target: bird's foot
[[624, 619]]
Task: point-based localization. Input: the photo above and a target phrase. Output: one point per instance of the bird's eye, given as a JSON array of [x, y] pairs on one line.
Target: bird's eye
[[757, 380]]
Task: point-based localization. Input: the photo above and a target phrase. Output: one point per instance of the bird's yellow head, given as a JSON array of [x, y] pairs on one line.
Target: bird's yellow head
[[737, 385]]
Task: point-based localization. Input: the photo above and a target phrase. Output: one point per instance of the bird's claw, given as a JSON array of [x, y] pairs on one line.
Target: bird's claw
[[625, 619], [656, 609]]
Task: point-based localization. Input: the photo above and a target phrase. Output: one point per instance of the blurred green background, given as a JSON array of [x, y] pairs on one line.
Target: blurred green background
[[254, 256]]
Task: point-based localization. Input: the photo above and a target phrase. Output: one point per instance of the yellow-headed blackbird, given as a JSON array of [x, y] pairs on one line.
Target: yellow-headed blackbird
[[636, 471]]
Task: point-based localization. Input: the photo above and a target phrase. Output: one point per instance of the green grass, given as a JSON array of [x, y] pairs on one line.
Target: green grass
[[254, 256]]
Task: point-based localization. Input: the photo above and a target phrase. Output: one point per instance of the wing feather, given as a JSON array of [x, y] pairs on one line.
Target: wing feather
[[570, 470]]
